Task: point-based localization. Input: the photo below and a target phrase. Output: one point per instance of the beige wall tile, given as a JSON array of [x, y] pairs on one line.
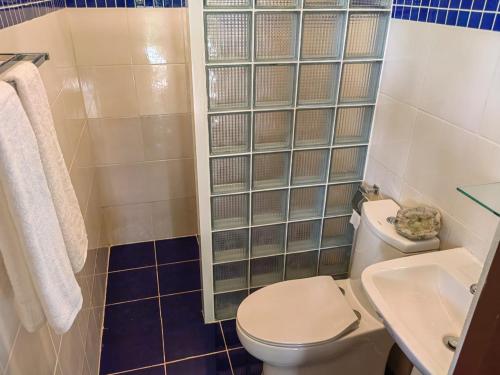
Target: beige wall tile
[[100, 36], [174, 218], [109, 91], [489, 126], [123, 184], [72, 355], [131, 223], [117, 140], [155, 35], [167, 137], [161, 89], [102, 260], [92, 350], [33, 354], [9, 323]]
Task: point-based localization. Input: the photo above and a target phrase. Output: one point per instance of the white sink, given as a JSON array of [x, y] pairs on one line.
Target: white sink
[[421, 299]]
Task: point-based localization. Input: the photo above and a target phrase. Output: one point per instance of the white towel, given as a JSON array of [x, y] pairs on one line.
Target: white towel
[[31, 241], [32, 93]]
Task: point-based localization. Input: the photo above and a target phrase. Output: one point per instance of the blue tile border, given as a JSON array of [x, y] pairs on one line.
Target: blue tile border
[[126, 3], [473, 14]]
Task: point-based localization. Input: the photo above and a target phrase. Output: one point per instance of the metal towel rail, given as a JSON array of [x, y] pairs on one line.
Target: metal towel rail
[[7, 60]]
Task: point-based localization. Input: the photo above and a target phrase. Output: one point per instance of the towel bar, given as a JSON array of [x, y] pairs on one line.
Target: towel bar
[[7, 60]]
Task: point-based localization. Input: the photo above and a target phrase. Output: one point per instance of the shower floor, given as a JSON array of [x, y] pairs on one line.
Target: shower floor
[[153, 322]]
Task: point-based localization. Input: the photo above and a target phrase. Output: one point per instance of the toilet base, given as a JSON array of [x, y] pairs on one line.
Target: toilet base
[[366, 359]]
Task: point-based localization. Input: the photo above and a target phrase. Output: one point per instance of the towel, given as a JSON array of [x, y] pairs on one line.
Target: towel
[[34, 99], [31, 241]]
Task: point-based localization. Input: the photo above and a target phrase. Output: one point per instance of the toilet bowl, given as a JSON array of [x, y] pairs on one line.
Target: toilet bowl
[[322, 326]]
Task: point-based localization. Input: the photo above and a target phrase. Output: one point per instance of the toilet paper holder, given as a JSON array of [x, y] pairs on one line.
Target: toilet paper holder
[[365, 193]]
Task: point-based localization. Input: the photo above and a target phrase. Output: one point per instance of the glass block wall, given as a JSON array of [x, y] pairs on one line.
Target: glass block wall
[[290, 92]]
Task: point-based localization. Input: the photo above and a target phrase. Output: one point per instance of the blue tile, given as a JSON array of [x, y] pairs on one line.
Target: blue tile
[[426, 3], [496, 26], [131, 285], [244, 363], [414, 14], [474, 20], [157, 370], [422, 15], [487, 21], [121, 4], [177, 3], [215, 364], [431, 16], [463, 18], [100, 3], [185, 334], [177, 250], [491, 5], [466, 4], [132, 336], [91, 3], [110, 4], [454, 4], [406, 13], [444, 3], [434, 3], [80, 3], [230, 334], [179, 277], [451, 18], [132, 256], [441, 16], [478, 4], [398, 13]]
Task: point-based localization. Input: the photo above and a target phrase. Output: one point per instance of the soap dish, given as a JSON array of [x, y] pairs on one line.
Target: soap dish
[[418, 223]]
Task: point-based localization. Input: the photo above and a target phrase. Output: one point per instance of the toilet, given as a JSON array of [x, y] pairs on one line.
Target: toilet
[[322, 326]]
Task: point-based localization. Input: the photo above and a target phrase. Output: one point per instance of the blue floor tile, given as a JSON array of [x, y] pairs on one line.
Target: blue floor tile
[[215, 364], [131, 285], [132, 256], [185, 334], [157, 370], [230, 334], [179, 277], [132, 336], [244, 363], [177, 250]]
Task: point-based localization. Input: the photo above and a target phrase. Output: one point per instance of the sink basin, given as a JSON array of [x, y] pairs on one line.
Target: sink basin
[[422, 299]]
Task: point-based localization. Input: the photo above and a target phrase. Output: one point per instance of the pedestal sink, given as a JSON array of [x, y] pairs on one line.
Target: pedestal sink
[[423, 301]]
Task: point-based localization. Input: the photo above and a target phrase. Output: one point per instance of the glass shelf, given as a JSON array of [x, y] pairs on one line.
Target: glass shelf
[[487, 195]]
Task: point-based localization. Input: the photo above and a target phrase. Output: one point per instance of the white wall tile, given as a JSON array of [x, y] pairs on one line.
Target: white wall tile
[[130, 223], [489, 126]]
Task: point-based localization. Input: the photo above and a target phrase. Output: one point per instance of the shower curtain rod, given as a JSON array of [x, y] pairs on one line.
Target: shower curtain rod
[[7, 60]]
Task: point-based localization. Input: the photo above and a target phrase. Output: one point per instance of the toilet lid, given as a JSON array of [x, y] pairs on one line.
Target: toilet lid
[[297, 312]]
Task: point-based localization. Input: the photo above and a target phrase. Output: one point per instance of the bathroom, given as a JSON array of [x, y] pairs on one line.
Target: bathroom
[[212, 153]]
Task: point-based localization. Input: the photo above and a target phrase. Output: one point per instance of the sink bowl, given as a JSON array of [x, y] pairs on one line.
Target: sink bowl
[[422, 299]]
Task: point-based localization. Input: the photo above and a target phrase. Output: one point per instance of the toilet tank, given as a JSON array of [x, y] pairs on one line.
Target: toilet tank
[[377, 240]]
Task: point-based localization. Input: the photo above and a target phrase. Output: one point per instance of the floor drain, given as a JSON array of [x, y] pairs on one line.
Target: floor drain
[[451, 342]]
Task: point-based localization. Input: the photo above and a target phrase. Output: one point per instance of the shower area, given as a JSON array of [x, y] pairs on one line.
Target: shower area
[[285, 96]]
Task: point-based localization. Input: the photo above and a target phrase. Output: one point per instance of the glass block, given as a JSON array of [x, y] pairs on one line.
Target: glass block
[[270, 170], [276, 36], [366, 33], [325, 4], [229, 133], [230, 245], [307, 202], [322, 35], [228, 87], [230, 174], [228, 36], [228, 3], [230, 211], [370, 4], [339, 198], [301, 265], [309, 166], [303, 235], [274, 85], [348, 163], [335, 261], [265, 271], [272, 130], [230, 276], [276, 3], [360, 82], [226, 304], [269, 206], [313, 127], [318, 83], [337, 231], [353, 125], [268, 240]]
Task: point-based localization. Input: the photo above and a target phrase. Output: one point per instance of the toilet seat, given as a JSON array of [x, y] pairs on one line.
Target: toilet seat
[[295, 313]]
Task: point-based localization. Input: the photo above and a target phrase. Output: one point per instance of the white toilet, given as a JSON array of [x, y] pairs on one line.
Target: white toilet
[[309, 327]]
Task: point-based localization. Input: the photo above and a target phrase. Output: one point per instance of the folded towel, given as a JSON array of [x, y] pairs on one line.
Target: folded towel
[[31, 241], [32, 93]]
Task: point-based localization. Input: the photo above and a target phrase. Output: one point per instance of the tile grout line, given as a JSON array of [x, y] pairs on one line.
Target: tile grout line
[[159, 307], [153, 297], [225, 345]]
